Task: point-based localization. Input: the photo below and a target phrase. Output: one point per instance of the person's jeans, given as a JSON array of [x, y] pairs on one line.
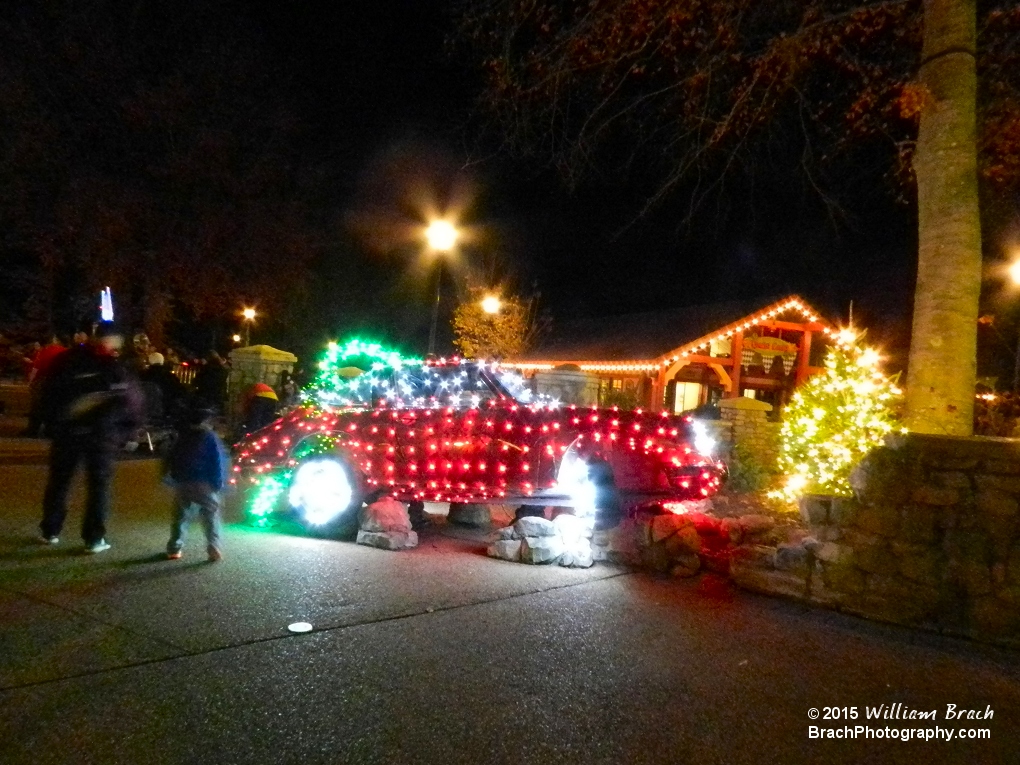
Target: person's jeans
[[188, 496], [66, 452]]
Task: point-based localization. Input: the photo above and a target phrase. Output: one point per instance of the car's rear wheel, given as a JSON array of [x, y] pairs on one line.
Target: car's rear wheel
[[325, 494], [588, 479]]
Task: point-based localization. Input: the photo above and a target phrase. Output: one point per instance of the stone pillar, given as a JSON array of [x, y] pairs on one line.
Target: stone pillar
[[751, 428]]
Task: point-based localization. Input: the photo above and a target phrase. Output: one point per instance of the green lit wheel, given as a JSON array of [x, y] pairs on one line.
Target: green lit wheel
[[324, 494]]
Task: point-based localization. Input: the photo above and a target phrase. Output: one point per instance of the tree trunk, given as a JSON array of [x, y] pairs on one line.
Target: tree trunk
[[943, 348]]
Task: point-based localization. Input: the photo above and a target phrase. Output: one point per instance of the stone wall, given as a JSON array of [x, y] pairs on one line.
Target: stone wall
[[749, 426], [931, 538]]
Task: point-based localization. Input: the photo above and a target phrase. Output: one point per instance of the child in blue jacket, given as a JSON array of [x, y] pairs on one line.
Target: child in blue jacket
[[197, 467]]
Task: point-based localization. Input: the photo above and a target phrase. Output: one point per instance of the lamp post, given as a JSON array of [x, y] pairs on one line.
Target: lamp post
[[441, 236], [1014, 275], [249, 316]]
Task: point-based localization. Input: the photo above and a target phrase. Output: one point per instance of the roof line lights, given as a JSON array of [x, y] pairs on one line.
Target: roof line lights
[[766, 314]]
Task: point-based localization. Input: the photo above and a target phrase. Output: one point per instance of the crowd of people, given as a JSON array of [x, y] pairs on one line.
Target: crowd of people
[[93, 392], [166, 382]]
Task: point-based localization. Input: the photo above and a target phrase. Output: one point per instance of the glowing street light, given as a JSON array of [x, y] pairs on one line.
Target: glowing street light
[[491, 304], [236, 338], [441, 236], [248, 314]]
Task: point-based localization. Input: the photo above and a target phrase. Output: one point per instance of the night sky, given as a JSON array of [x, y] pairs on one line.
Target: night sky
[[384, 108], [374, 78]]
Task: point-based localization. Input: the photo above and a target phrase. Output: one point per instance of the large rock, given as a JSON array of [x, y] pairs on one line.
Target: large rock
[[541, 549], [666, 525], [386, 515], [686, 565], [578, 558], [388, 540], [531, 526], [574, 530], [756, 524], [686, 540], [470, 515], [506, 549]]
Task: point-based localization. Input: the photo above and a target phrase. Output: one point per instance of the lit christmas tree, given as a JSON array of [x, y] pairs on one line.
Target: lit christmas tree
[[835, 419]]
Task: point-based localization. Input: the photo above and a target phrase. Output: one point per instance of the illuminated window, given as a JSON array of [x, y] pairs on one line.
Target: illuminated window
[[749, 393], [688, 396]]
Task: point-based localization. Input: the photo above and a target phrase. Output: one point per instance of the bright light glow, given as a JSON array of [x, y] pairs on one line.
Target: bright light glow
[[491, 304], [846, 336], [236, 338], [869, 358], [248, 314], [441, 235], [106, 305], [677, 508], [833, 421], [1014, 271], [573, 479], [703, 443], [320, 491]]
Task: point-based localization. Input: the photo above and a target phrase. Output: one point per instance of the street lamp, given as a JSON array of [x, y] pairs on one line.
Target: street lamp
[[491, 304], [249, 316], [441, 236]]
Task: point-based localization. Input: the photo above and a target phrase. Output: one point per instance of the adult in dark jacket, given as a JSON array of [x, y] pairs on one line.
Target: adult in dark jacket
[[90, 407], [172, 392], [211, 382]]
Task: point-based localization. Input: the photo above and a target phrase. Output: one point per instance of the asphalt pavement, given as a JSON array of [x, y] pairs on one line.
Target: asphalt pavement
[[440, 655]]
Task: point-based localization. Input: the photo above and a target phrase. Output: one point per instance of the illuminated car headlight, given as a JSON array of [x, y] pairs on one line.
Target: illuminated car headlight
[[573, 480], [320, 491], [703, 443]]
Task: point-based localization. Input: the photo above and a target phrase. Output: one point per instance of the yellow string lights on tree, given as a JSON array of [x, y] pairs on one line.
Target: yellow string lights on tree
[[835, 419]]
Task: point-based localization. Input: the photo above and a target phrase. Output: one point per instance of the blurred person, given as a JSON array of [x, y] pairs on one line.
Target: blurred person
[[197, 467], [172, 393], [288, 389], [260, 405], [211, 382], [90, 407], [41, 363]]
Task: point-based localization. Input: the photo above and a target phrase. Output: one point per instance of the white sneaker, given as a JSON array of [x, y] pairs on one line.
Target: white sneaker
[[97, 547], [49, 540]]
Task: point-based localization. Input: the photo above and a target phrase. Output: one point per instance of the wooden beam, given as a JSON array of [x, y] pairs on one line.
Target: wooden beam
[[803, 357], [736, 354], [697, 358], [796, 326]]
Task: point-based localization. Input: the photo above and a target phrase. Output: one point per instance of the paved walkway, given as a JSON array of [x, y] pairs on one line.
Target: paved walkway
[[436, 655]]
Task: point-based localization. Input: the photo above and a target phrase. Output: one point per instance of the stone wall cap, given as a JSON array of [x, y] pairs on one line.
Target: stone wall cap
[[958, 446], [743, 402], [262, 353]]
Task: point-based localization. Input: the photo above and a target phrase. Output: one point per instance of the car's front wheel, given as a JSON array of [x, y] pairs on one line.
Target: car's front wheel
[[324, 494]]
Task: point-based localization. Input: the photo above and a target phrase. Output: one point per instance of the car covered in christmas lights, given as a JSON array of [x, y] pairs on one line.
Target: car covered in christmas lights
[[462, 432]]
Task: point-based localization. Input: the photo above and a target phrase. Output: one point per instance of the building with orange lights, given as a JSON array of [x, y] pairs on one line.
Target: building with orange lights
[[682, 359]]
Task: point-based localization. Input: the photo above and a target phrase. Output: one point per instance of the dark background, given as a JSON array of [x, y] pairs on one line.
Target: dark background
[[388, 130], [377, 79]]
